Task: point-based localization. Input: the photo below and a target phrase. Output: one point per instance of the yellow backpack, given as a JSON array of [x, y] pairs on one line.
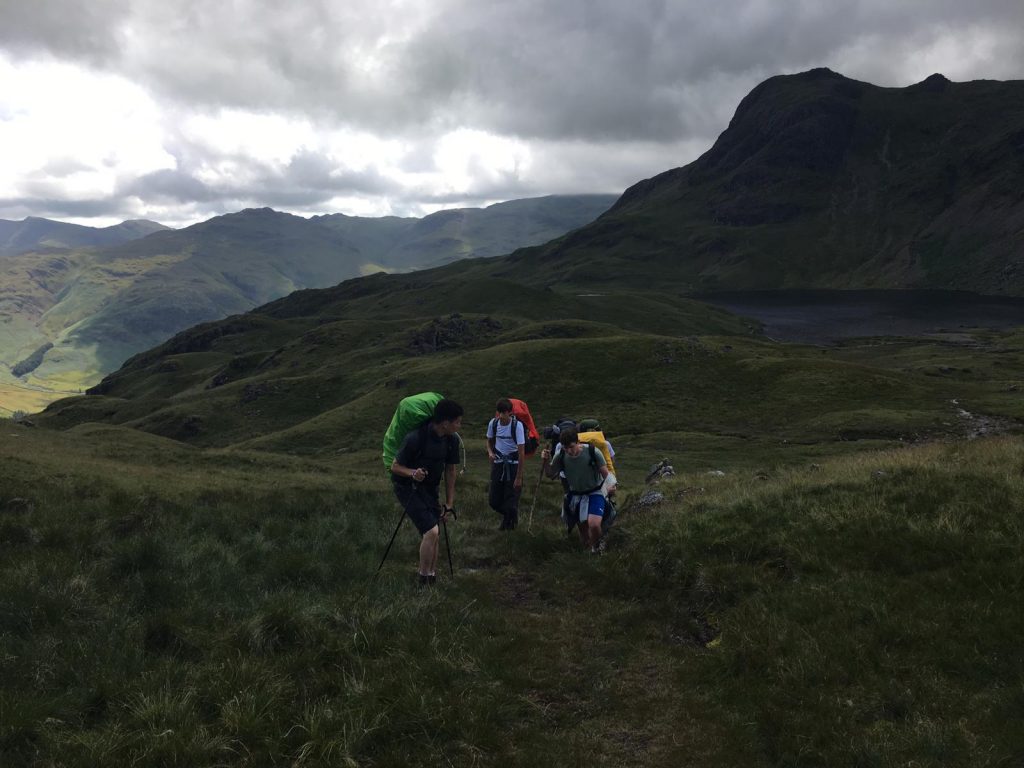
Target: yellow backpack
[[597, 440]]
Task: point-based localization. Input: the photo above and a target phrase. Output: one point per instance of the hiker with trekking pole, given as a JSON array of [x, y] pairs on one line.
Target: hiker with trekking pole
[[427, 454]]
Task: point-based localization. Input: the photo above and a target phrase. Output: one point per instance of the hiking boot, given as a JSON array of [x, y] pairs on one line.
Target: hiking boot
[[431, 580], [422, 580]]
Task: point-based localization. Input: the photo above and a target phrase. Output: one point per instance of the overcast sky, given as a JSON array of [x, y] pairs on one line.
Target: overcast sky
[[178, 110]]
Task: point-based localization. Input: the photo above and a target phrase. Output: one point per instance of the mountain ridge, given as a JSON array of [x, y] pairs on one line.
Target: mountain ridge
[[820, 181], [34, 232], [98, 306]]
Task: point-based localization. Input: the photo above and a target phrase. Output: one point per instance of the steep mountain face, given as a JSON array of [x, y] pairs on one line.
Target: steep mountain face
[[825, 182], [35, 233], [97, 307]]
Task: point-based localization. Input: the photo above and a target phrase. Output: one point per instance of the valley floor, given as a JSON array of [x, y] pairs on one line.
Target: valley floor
[[17, 396]]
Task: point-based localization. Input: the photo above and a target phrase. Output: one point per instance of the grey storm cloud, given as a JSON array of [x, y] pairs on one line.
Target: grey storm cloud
[[604, 92], [308, 179], [57, 208], [172, 185], [557, 69]]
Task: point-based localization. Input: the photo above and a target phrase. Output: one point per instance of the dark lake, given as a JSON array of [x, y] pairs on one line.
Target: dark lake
[[823, 317]]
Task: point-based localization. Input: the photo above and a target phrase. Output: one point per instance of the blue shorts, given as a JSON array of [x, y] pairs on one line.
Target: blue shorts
[[596, 505], [571, 509]]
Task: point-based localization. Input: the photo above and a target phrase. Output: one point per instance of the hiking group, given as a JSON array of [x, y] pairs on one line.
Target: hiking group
[[422, 447]]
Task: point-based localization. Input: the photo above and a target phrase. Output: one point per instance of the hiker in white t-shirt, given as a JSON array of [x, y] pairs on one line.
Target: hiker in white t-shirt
[[506, 441]]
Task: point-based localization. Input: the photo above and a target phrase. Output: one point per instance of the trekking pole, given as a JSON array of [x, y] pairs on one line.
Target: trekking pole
[[401, 520], [529, 525], [393, 535], [448, 545]]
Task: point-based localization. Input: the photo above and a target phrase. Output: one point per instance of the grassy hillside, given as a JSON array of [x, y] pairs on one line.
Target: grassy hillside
[[300, 371], [164, 604]]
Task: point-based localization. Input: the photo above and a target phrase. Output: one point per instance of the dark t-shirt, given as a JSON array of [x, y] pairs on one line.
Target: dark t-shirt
[[424, 448]]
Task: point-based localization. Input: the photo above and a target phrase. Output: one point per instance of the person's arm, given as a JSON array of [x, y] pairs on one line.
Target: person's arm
[[492, 434], [419, 474], [551, 468], [405, 456]]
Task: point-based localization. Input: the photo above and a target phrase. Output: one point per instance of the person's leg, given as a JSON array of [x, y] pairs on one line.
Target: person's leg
[[428, 552], [496, 493], [594, 530], [512, 503], [423, 509], [584, 536], [595, 514], [437, 548], [509, 515]]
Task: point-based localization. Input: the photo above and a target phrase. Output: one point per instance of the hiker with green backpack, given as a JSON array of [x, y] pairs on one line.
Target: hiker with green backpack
[[428, 453], [586, 473]]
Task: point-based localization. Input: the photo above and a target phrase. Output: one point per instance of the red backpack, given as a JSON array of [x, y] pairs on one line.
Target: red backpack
[[521, 412]]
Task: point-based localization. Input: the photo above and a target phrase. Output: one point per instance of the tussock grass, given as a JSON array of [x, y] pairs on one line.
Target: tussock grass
[[166, 605]]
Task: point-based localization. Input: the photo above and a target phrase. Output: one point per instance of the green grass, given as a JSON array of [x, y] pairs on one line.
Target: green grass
[[168, 605]]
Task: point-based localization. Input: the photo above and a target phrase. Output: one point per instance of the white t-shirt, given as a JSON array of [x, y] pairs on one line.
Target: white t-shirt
[[504, 442]]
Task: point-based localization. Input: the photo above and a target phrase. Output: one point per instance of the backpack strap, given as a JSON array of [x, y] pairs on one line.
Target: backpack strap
[[424, 428]]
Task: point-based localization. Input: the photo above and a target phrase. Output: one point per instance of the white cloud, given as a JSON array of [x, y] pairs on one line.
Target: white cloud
[[72, 134]]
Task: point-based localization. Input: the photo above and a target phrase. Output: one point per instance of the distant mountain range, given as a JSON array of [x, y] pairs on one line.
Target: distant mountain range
[[33, 234], [69, 315]]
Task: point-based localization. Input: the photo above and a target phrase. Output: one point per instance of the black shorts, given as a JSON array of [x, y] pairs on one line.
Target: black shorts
[[421, 504]]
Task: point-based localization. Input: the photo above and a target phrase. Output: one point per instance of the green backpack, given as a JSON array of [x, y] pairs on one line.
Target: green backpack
[[411, 414]]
